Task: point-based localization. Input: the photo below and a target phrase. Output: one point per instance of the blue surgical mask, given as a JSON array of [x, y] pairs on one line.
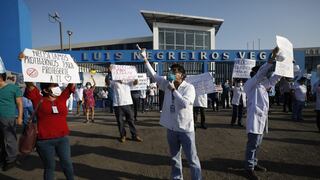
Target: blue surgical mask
[[171, 77]]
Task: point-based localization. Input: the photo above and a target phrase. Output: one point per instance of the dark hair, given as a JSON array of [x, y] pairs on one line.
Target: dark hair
[[254, 70], [45, 86], [88, 83], [180, 69], [4, 76]]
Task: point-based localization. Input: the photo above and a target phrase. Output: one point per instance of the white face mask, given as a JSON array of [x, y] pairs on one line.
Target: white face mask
[[56, 91], [241, 84], [88, 86]]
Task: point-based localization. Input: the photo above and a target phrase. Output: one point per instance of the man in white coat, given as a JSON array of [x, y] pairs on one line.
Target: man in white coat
[[177, 117], [257, 111], [200, 103], [238, 103]]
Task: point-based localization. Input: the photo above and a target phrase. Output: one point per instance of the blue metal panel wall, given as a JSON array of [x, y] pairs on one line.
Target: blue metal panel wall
[[15, 32]]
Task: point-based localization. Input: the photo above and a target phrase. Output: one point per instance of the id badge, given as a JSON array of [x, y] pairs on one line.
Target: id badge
[[172, 108], [55, 110]]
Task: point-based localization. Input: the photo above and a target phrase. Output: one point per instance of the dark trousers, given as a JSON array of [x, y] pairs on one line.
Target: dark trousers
[[318, 119], [237, 111], [143, 103], [136, 102], [8, 140], [196, 111], [121, 112], [287, 102], [225, 100]]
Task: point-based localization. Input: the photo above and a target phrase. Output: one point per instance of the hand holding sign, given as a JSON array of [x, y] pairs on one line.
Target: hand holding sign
[[143, 52], [284, 58]]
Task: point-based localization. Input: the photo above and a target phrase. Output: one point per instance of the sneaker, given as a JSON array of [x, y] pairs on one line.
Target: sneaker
[[137, 138], [8, 166], [122, 139], [260, 168], [251, 175]]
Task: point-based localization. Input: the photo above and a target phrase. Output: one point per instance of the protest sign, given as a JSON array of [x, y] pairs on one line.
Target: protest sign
[[203, 83], [2, 67], [143, 82], [41, 66], [284, 63], [242, 68], [123, 72], [99, 78]]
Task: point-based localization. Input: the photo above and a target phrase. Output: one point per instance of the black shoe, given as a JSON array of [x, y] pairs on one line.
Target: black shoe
[[260, 168], [8, 166], [203, 126], [239, 124], [251, 175]]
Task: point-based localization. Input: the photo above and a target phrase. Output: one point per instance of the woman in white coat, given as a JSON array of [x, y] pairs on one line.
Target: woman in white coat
[[238, 103], [257, 112], [200, 102]]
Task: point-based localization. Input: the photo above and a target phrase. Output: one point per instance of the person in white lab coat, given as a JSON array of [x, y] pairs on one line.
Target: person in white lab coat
[[257, 111], [200, 103], [177, 117], [122, 102], [316, 91], [239, 100], [299, 98]]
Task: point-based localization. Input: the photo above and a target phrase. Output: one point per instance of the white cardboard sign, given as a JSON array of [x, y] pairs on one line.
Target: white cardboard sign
[[123, 72], [203, 83], [41, 66], [143, 82], [99, 78], [285, 66], [242, 68]]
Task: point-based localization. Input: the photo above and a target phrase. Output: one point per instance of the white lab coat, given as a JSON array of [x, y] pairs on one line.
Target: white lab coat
[[121, 93], [258, 100], [316, 91], [182, 119], [201, 101], [237, 92]]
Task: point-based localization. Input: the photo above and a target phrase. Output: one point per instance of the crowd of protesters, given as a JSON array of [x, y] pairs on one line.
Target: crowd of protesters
[[179, 105]]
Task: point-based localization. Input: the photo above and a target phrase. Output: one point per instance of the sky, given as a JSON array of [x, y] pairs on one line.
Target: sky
[[245, 21]]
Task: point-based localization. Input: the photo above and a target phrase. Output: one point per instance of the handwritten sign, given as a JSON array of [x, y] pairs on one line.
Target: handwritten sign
[[242, 68], [143, 82], [123, 72], [284, 65], [203, 83], [99, 78], [41, 66]]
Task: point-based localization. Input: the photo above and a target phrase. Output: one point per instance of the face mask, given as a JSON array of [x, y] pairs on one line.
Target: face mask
[[88, 86], [240, 84], [171, 77], [56, 91]]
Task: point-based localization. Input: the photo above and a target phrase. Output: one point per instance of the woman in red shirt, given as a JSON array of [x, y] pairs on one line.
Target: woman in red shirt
[[52, 126]]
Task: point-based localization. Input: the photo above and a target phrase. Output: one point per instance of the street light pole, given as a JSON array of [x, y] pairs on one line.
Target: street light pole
[[69, 35], [57, 18]]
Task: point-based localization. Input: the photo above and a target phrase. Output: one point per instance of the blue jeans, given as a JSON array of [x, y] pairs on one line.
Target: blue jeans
[[47, 150], [187, 141], [297, 110], [253, 144]]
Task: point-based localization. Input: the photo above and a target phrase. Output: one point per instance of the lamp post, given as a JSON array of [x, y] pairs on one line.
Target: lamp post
[[69, 35], [56, 18]]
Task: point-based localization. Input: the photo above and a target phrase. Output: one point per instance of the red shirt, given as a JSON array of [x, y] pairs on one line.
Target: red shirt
[[51, 125]]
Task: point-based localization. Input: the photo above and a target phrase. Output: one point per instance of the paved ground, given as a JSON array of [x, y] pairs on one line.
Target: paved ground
[[291, 150]]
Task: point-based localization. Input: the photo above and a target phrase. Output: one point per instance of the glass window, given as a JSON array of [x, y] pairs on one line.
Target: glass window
[[189, 39], [170, 47], [161, 37], [169, 37], [180, 47], [199, 39], [180, 38]]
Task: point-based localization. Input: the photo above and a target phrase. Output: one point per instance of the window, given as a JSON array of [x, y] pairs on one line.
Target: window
[[183, 39]]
